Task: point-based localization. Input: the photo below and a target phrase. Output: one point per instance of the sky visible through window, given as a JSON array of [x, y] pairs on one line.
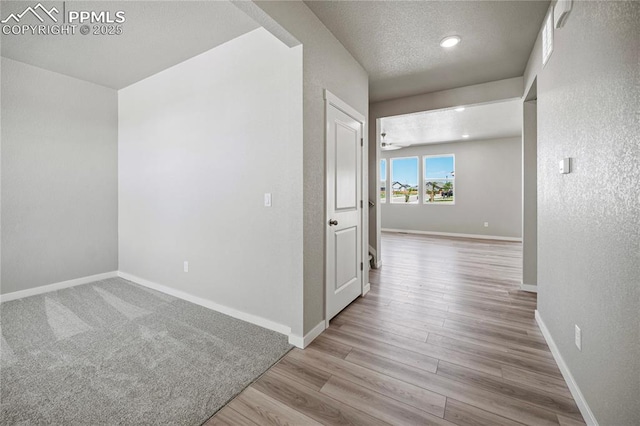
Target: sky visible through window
[[383, 169], [438, 167], [405, 171]]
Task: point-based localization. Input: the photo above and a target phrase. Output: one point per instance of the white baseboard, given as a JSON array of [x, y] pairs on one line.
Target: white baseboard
[[566, 373], [366, 288], [253, 319], [529, 287], [453, 234], [56, 286], [303, 342]]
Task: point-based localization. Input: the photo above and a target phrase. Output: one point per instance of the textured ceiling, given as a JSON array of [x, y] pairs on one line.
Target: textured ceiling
[[488, 121], [397, 42], [156, 35]]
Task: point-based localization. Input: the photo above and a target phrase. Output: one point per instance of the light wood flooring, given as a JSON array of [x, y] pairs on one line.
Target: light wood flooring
[[444, 337]]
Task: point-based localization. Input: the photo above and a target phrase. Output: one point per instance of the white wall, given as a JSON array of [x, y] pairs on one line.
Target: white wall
[[59, 178], [199, 145], [529, 194], [487, 189], [327, 65], [588, 220]]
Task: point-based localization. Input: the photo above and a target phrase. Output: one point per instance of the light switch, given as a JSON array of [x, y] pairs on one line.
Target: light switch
[[565, 166], [267, 199]]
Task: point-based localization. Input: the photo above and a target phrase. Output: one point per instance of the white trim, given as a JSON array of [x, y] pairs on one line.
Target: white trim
[[303, 342], [366, 289], [529, 287], [253, 319], [454, 234], [566, 373], [56, 286], [344, 107]]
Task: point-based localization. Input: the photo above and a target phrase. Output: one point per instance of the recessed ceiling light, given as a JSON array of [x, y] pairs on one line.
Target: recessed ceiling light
[[460, 109], [450, 41], [465, 136]]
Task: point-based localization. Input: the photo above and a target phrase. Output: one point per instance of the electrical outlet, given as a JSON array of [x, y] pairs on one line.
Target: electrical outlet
[[267, 199], [486, 224], [186, 266], [578, 338]]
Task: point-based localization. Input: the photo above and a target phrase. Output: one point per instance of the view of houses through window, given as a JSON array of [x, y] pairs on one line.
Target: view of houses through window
[[404, 180], [439, 175], [438, 172]]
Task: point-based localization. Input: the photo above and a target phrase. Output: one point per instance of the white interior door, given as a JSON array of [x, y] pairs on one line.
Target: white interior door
[[344, 210]]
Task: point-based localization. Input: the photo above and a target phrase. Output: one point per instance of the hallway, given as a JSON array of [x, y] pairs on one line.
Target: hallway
[[445, 336]]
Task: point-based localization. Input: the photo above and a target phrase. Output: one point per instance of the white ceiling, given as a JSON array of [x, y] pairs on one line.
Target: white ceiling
[[488, 121], [156, 36], [397, 42]]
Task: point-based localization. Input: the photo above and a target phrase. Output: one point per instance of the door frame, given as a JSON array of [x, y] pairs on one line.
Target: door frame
[[332, 100]]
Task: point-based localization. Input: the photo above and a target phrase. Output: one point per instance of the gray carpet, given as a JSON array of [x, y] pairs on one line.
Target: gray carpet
[[112, 352]]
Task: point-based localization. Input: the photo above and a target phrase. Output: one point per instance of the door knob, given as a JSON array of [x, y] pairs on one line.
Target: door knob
[[332, 222]]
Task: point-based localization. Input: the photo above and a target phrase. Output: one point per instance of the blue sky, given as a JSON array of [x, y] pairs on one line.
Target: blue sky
[[438, 167], [405, 170]]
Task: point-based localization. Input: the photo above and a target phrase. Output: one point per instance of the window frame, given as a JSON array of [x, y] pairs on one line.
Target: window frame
[[385, 180], [424, 180], [390, 178]]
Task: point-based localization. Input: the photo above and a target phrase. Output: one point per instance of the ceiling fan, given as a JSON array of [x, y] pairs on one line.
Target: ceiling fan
[[390, 146]]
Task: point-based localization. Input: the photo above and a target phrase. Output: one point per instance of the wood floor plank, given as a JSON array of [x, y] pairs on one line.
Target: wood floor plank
[[227, 416], [302, 373], [470, 394], [566, 421], [551, 402], [265, 410], [445, 336], [395, 353], [467, 415], [433, 351], [495, 303], [388, 326], [542, 365], [421, 317], [409, 327], [498, 296], [493, 330], [535, 380], [473, 319], [332, 348], [419, 322], [514, 346], [399, 390], [311, 403], [378, 405]]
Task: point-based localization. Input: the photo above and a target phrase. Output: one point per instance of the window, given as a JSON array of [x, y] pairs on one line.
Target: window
[[439, 179], [404, 180], [383, 181]]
